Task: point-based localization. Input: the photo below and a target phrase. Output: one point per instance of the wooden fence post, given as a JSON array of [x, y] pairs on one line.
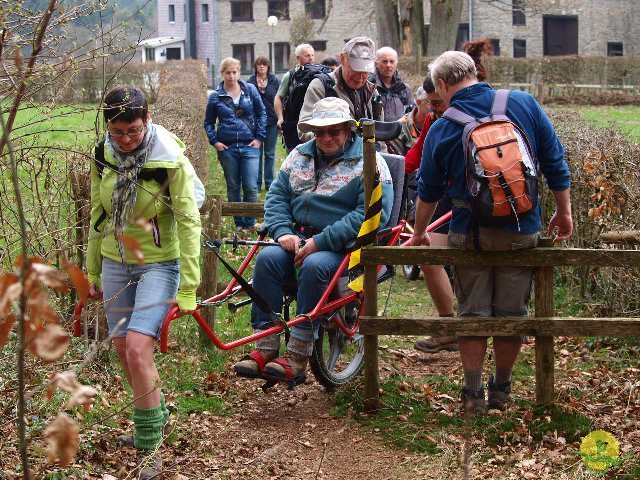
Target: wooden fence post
[[371, 395], [211, 227], [544, 344]]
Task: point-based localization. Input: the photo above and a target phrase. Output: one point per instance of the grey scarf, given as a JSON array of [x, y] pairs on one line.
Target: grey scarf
[[123, 198]]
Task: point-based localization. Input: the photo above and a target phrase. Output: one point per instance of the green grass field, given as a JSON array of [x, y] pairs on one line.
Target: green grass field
[[625, 118]]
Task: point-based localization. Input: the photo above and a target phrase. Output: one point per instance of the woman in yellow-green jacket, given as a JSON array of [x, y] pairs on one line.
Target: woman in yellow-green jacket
[[144, 247]]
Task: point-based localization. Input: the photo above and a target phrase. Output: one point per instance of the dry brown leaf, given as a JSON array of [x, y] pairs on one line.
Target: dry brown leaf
[[6, 324], [62, 440], [51, 342], [50, 276], [83, 395], [133, 246], [66, 381], [10, 290], [80, 394], [79, 281]]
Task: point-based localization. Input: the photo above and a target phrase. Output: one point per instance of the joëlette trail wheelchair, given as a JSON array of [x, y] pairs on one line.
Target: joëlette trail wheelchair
[[338, 353]]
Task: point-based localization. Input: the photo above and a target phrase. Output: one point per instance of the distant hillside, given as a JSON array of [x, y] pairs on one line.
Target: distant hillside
[[138, 17]]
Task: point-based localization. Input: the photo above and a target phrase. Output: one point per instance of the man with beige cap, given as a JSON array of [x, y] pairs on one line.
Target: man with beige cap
[[351, 83], [313, 210]]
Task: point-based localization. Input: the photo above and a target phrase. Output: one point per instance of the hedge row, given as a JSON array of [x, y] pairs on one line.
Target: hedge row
[[605, 195]]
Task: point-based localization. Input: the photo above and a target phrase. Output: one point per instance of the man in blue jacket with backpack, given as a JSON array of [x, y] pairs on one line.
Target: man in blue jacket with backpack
[[484, 153]]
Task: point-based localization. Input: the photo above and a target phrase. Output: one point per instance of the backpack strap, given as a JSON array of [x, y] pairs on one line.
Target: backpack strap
[[500, 101], [458, 116], [100, 161], [328, 83]]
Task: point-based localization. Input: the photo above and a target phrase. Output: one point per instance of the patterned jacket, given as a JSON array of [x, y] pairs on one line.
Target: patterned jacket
[[330, 201]]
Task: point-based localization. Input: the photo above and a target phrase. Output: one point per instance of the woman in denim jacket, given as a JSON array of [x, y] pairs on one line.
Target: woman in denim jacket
[[241, 119], [267, 85]]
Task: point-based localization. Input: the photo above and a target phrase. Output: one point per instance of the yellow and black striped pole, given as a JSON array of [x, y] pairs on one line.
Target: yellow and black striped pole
[[366, 235]]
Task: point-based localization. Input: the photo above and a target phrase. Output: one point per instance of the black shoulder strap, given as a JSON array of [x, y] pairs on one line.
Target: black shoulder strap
[[328, 83], [100, 159]]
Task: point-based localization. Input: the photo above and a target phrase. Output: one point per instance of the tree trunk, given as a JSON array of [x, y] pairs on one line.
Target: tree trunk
[[387, 23], [443, 28], [417, 29]]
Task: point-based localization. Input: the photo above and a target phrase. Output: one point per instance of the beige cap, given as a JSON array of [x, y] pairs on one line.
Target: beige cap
[[361, 52], [327, 111]]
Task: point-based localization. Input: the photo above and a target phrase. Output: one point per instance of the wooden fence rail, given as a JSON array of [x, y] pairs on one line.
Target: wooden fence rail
[[544, 326]]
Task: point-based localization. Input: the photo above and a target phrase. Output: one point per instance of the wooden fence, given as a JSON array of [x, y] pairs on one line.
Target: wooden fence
[[543, 325]]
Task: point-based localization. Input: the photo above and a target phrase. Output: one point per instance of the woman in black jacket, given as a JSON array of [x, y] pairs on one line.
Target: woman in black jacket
[[267, 85]]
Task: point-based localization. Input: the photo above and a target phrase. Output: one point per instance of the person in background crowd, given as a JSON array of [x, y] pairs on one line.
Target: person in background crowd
[[129, 199], [331, 62], [235, 122], [267, 85], [305, 54], [429, 108], [396, 95], [350, 83], [487, 291]]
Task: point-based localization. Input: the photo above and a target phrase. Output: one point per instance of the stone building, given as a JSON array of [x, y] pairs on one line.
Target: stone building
[[215, 29]]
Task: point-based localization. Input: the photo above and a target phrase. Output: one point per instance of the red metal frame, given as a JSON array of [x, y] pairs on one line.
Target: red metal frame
[[324, 305]]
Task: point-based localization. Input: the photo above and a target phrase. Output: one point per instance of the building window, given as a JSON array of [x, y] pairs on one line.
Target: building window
[[244, 52], [519, 48], [517, 10], [281, 53], [174, 53], [614, 49], [495, 45], [462, 36], [184, 12], [241, 11], [560, 35], [278, 8], [319, 45], [172, 13], [205, 12], [315, 8], [150, 54]]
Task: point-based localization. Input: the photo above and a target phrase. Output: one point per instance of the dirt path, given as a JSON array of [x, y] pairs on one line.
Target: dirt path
[[288, 434]]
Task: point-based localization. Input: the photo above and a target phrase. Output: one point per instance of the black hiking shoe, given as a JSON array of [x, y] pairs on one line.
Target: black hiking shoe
[[499, 395]]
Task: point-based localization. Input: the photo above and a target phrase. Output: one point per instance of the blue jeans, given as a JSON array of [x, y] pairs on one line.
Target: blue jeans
[[268, 156], [138, 293], [274, 269], [240, 164]]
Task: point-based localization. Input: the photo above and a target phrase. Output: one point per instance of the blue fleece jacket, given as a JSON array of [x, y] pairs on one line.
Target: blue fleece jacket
[[329, 200], [442, 169], [236, 123]]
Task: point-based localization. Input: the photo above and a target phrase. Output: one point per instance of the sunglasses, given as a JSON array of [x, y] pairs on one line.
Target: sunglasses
[[332, 132], [131, 133]]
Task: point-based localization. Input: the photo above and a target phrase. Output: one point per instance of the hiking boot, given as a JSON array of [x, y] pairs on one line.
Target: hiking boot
[[252, 365], [151, 465], [290, 368], [473, 402], [499, 395], [437, 344]]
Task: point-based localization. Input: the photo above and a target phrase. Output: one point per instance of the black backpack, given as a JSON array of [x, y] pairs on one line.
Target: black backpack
[[299, 80]]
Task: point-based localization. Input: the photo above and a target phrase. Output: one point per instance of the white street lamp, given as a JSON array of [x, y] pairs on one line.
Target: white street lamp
[[272, 21]]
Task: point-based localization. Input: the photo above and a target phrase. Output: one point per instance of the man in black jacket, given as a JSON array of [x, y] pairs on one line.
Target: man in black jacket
[[396, 95]]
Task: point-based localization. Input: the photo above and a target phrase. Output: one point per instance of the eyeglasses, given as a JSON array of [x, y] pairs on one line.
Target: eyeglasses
[[131, 133], [332, 132]]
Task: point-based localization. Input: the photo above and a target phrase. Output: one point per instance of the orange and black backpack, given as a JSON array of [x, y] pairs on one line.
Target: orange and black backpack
[[501, 169]]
